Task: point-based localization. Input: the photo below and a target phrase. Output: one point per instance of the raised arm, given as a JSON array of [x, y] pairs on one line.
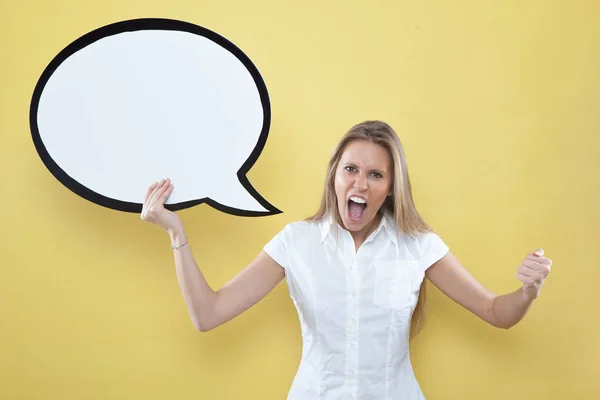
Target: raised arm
[[207, 308], [502, 311]]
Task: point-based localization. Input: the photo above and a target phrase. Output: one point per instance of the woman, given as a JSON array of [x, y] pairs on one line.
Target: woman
[[355, 271]]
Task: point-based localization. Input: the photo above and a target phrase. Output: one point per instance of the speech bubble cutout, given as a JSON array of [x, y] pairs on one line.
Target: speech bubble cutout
[[139, 100]]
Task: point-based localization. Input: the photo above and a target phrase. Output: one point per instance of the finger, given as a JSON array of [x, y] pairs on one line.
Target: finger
[[149, 192], [539, 265], [539, 252], [150, 196], [529, 281], [543, 269], [163, 198], [542, 260], [542, 265], [526, 271], [157, 192], [536, 274], [525, 279]]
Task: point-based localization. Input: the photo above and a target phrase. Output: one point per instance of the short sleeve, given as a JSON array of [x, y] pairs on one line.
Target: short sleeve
[[277, 248], [433, 248]]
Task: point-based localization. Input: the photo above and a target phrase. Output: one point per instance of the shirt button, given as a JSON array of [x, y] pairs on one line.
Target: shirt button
[[351, 371], [352, 346], [353, 294]]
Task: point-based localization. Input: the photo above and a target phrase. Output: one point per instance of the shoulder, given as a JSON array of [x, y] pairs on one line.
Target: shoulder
[[423, 243], [421, 239], [302, 228], [427, 247], [294, 237], [428, 238]]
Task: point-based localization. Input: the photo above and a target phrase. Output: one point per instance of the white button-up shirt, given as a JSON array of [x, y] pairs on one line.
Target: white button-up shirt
[[354, 307]]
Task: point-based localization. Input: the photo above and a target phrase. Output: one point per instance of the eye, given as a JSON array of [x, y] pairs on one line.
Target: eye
[[377, 175], [349, 168]]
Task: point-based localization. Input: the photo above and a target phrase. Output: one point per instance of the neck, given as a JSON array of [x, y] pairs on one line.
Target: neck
[[359, 237]]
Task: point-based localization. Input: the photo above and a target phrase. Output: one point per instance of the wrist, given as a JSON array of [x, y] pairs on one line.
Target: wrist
[[178, 236], [530, 292]]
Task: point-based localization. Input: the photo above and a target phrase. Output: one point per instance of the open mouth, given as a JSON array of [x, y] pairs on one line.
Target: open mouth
[[356, 208]]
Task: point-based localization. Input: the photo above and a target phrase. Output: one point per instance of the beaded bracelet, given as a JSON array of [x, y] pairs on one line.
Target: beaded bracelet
[[181, 245]]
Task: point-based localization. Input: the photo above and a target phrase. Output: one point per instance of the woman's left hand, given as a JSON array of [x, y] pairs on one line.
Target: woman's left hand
[[532, 272]]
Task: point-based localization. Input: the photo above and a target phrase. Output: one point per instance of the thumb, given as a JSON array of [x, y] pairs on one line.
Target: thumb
[[539, 252]]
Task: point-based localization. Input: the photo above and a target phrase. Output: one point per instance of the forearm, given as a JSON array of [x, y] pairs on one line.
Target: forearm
[[509, 309], [198, 295]]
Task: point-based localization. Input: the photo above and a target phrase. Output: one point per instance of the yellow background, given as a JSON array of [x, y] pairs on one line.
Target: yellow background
[[497, 106]]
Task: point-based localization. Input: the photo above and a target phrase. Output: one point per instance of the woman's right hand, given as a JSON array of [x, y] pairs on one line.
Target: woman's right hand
[[154, 211]]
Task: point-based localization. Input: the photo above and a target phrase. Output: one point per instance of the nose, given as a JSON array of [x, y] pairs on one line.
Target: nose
[[360, 183]]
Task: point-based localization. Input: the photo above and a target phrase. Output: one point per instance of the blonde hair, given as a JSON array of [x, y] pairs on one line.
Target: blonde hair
[[400, 204]]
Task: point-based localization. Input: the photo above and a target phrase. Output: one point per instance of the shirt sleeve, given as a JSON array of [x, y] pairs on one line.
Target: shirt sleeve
[[432, 249], [277, 247]]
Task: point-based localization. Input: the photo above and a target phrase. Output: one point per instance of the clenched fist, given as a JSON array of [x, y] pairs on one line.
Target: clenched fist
[[533, 271]]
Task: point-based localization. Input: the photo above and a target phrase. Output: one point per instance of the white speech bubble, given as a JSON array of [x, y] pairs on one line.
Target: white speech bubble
[[140, 100]]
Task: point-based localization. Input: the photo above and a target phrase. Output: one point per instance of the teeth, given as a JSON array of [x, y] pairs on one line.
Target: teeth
[[357, 200]]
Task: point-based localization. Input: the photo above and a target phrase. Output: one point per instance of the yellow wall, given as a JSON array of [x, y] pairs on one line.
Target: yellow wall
[[497, 105]]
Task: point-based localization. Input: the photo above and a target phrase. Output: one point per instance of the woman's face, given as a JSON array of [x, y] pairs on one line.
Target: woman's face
[[362, 182]]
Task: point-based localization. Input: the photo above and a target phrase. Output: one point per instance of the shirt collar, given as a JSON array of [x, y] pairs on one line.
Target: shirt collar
[[387, 224]]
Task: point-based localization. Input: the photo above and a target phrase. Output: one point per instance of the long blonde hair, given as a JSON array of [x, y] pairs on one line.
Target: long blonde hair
[[400, 204]]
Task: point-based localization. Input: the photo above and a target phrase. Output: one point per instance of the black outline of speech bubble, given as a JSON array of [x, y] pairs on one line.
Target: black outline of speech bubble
[[154, 24]]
